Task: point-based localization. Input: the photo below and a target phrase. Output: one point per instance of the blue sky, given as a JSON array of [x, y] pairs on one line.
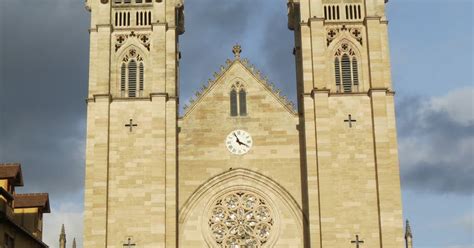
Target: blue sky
[[43, 84]]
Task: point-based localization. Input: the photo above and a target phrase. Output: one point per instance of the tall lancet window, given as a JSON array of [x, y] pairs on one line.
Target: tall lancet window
[[238, 100], [132, 75], [346, 69], [233, 103]]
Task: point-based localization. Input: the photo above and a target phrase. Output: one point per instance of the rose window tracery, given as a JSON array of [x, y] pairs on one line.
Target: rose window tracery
[[241, 219]]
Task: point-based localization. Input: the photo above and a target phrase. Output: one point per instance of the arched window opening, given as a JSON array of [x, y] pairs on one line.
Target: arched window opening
[[238, 100], [243, 102], [142, 78], [132, 79], [132, 74], [346, 69], [233, 103]]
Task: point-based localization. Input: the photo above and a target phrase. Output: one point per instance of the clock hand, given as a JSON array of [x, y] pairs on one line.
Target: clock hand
[[238, 141], [243, 144]]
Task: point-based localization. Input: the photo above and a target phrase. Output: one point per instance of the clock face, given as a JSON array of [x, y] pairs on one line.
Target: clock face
[[239, 142]]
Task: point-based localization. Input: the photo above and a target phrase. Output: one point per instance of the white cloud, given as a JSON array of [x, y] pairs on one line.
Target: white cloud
[[436, 140], [459, 104], [466, 222], [71, 216]]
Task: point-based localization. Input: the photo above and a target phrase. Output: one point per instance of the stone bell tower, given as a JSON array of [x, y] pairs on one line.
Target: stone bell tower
[[347, 123], [130, 189]]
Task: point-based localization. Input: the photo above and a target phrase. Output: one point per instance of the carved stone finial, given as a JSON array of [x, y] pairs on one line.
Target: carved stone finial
[[237, 50]]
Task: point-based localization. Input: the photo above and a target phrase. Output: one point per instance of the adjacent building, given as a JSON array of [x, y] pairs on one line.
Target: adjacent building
[[21, 215]]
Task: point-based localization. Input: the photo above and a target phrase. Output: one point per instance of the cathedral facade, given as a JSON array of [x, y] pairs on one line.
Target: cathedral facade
[[242, 167]]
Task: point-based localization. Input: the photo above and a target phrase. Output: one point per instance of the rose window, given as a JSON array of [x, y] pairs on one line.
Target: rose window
[[241, 220]]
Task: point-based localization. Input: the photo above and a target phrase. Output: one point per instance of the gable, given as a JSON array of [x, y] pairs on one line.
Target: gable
[[240, 72]]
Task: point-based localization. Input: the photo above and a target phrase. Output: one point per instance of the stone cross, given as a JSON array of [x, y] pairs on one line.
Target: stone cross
[[131, 125], [350, 121], [129, 244], [237, 49], [357, 241]]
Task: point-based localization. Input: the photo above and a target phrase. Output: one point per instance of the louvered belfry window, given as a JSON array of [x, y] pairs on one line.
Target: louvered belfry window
[[132, 74], [132, 79], [233, 103], [337, 66], [346, 69], [346, 73], [142, 77], [123, 79], [355, 72]]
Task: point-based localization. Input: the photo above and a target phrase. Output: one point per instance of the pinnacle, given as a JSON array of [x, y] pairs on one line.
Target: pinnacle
[[408, 232]]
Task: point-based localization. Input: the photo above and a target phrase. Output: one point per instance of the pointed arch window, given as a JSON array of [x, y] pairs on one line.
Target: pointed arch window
[[132, 75], [238, 100], [346, 69]]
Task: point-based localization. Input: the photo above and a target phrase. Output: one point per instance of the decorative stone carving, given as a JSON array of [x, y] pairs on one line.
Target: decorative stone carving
[[241, 219], [132, 53], [120, 39], [237, 49], [333, 32], [344, 48]]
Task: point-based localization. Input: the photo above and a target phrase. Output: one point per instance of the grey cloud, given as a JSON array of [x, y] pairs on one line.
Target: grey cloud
[[212, 31], [44, 68], [43, 82], [436, 151]]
